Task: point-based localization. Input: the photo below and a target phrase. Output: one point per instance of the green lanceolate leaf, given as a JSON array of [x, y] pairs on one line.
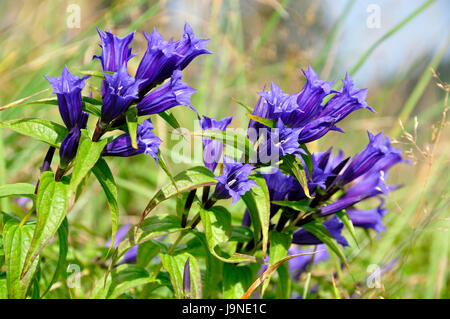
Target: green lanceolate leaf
[[170, 119], [92, 106], [241, 234], [186, 181], [342, 215], [17, 190], [94, 73], [165, 168], [51, 208], [245, 106], [257, 201], [60, 271], [175, 267], [157, 226], [263, 121], [213, 268], [125, 278], [106, 179], [87, 155], [236, 280], [301, 205], [132, 123], [293, 165], [42, 130], [279, 245], [217, 224], [16, 241], [318, 230], [235, 141]]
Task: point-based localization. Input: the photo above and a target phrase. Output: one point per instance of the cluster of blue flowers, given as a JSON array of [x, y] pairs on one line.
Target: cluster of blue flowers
[[334, 183], [163, 60]]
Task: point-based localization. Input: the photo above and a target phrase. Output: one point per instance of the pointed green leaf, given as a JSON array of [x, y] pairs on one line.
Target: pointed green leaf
[[60, 271], [42, 130], [186, 181], [279, 245], [132, 123], [318, 230], [233, 140], [87, 155], [51, 208], [170, 119], [342, 215], [248, 108], [106, 179], [236, 280], [157, 226], [17, 190], [257, 201], [263, 121], [295, 168], [17, 241], [301, 205], [217, 224], [125, 278]]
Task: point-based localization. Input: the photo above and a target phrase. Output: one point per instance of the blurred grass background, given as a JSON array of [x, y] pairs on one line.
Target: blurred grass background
[[255, 42]]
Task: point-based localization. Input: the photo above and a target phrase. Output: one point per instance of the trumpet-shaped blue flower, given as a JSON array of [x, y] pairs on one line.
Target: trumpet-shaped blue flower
[[372, 218], [163, 57], [308, 103], [121, 90], [67, 88], [306, 110], [365, 187], [234, 181], [378, 155], [278, 141], [212, 149], [279, 186], [147, 143], [115, 50], [170, 94]]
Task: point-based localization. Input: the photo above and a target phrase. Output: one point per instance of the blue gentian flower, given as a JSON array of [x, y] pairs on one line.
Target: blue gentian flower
[[308, 102], [212, 149], [121, 90], [67, 88], [147, 143], [349, 99], [115, 50], [162, 57], [279, 186], [334, 227], [369, 219], [279, 141], [300, 264], [378, 155], [266, 107], [305, 110], [173, 93], [234, 181], [365, 187]]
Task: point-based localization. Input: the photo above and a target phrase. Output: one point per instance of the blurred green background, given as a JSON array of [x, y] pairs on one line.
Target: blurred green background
[[256, 42]]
